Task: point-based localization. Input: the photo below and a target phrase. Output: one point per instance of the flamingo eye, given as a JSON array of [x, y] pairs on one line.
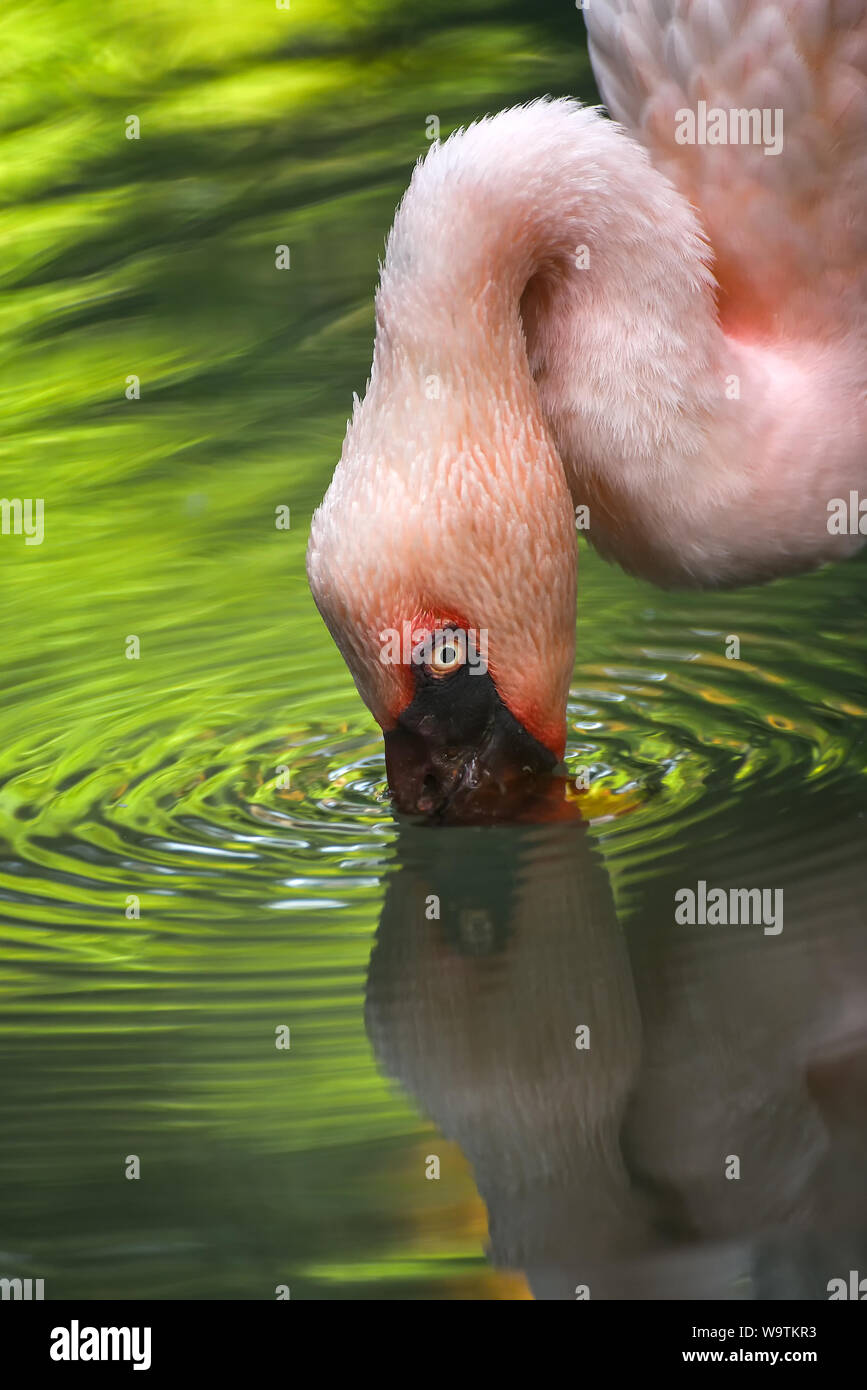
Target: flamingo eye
[[447, 654]]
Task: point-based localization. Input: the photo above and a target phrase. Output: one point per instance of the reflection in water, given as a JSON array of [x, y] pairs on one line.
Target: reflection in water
[[606, 1166]]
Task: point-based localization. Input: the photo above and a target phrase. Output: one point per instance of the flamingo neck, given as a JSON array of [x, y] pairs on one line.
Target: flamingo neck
[[543, 247], [552, 287]]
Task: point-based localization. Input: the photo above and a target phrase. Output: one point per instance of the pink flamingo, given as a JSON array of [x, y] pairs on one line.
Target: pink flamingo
[[657, 326]]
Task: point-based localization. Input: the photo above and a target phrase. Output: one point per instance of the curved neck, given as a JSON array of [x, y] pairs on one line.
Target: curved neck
[[543, 243], [553, 286]]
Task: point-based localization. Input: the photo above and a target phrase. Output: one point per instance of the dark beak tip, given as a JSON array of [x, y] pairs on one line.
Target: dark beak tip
[[466, 764], [478, 796]]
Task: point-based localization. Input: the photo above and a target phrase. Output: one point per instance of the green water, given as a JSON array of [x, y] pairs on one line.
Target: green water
[[263, 905]]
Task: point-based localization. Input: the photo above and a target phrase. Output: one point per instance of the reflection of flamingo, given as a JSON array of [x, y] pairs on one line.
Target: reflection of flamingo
[[602, 1160], [550, 334]]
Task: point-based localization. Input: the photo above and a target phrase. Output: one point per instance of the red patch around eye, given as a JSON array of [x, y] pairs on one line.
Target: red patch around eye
[[412, 631], [551, 734]]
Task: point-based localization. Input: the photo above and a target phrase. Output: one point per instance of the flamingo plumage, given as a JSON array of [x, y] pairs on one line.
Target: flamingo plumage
[[578, 312]]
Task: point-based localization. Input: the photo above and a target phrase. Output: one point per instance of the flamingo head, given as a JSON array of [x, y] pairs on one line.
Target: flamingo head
[[444, 568]]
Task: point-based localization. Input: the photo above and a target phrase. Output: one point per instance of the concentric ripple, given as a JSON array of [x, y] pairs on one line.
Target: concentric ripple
[[668, 728]]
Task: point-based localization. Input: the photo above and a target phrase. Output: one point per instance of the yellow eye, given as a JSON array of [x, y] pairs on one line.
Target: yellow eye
[[447, 654]]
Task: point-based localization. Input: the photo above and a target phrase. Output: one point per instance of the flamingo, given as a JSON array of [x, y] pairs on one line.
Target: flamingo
[[642, 322]]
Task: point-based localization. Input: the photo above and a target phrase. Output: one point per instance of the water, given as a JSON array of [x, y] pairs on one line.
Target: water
[[264, 906]]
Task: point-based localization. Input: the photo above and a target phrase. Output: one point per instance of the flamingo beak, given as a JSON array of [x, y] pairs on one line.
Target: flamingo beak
[[457, 754]]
